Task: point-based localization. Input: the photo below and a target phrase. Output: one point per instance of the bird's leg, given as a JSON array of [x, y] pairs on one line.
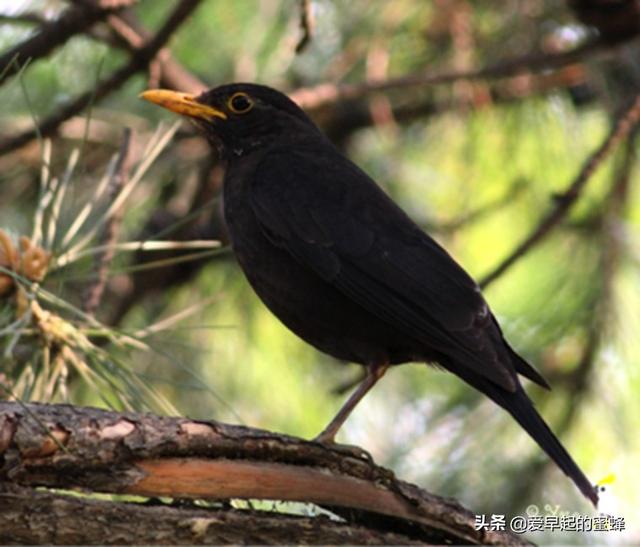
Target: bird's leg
[[374, 373]]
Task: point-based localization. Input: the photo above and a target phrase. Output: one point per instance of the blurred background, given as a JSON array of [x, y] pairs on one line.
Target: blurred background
[[477, 117]]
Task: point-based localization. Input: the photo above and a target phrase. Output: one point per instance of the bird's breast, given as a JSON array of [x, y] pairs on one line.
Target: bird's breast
[[309, 306]]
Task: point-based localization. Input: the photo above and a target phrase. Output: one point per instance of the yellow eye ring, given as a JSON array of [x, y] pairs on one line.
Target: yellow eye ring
[[239, 103]]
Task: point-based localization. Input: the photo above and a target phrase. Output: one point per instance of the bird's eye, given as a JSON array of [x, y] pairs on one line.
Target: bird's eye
[[240, 103]]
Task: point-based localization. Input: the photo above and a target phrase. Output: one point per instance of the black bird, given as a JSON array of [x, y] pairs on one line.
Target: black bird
[[342, 266]]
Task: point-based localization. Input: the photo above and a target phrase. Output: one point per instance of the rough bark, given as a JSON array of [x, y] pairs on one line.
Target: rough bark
[[98, 451], [48, 518]]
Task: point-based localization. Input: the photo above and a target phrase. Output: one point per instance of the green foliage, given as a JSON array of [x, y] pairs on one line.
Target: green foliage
[[231, 360]]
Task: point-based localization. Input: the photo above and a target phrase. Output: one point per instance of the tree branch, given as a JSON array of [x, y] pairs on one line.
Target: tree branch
[[139, 61], [564, 201], [61, 446], [24, 18], [59, 519], [307, 24], [109, 235], [600, 327], [312, 98], [52, 34], [130, 35]]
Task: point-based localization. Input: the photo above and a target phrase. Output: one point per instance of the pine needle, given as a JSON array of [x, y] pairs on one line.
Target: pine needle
[[128, 188], [172, 320], [59, 197], [84, 213], [46, 192], [134, 246]]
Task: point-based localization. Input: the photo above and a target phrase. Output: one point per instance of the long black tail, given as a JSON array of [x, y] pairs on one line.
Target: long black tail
[[521, 408]]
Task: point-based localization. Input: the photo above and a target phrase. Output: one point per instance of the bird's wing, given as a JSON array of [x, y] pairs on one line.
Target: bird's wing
[[336, 221]]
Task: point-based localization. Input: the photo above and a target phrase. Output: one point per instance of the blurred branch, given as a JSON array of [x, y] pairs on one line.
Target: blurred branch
[[481, 212], [611, 248], [347, 385], [74, 20], [147, 455], [123, 32], [307, 24], [139, 61], [577, 381], [350, 115], [110, 232], [199, 217], [127, 33], [312, 98], [563, 202], [24, 18]]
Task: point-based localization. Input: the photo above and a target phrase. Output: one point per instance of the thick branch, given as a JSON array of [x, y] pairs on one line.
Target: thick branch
[[60, 446], [60, 519]]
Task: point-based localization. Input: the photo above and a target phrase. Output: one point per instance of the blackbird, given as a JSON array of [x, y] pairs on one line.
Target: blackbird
[[343, 266]]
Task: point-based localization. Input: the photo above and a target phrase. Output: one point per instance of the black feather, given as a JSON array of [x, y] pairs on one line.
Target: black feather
[[347, 270], [521, 408]]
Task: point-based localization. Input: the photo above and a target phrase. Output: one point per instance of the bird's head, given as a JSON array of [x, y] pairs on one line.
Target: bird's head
[[238, 118]]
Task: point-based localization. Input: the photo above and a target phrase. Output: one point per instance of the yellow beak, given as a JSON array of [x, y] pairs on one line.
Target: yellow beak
[[182, 103]]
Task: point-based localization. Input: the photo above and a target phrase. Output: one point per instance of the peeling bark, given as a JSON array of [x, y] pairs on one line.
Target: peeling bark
[[98, 451]]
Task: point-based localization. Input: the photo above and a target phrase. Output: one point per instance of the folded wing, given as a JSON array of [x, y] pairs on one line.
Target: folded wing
[[352, 235]]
